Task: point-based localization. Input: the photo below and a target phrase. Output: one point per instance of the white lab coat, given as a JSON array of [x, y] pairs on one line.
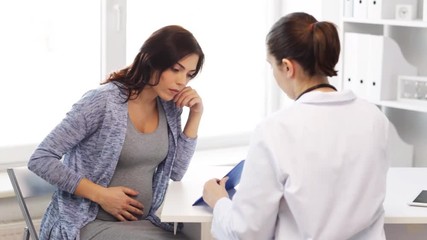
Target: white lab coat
[[315, 170]]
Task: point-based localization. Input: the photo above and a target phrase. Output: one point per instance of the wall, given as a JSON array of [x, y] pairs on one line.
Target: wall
[[412, 128]]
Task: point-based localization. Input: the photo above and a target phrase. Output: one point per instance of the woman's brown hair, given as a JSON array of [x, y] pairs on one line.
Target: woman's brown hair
[[314, 45], [164, 48]]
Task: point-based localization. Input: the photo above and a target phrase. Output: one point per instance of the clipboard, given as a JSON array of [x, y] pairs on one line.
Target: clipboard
[[233, 179]]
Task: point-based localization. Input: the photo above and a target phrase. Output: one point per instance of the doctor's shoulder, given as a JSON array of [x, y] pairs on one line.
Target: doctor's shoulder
[[276, 121]]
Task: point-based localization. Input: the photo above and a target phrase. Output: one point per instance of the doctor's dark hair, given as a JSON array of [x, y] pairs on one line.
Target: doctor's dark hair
[[163, 49], [300, 37]]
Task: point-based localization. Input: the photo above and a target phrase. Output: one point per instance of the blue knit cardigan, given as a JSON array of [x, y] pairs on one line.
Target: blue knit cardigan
[[90, 138]]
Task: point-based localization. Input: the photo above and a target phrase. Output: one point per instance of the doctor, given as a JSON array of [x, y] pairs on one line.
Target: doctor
[[316, 169]]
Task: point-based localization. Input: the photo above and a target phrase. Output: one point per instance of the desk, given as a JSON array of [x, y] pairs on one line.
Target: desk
[[403, 184], [180, 196]]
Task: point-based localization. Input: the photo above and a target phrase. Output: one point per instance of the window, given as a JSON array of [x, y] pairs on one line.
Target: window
[[52, 52], [49, 59]]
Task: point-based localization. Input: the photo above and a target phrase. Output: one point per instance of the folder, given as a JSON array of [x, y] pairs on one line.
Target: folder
[[362, 66], [386, 64], [350, 61], [381, 9], [356, 63], [372, 64], [348, 8], [360, 9], [233, 180], [386, 9]]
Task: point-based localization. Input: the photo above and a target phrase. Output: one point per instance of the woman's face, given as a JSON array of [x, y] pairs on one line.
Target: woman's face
[[176, 78]]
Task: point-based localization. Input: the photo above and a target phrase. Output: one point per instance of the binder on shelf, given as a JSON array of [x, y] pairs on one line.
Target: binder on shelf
[[380, 9], [378, 61], [379, 87], [350, 55], [386, 9], [355, 63], [348, 8], [355, 68], [387, 54], [360, 9]]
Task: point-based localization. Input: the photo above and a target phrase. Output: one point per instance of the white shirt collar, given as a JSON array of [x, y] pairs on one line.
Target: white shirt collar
[[327, 97]]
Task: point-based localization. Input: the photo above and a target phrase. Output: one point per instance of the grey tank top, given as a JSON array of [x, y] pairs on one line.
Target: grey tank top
[[140, 155]]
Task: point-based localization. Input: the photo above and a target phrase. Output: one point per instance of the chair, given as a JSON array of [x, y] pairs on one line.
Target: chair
[[26, 184]]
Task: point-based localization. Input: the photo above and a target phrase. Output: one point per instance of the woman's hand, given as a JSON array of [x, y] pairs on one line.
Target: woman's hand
[[190, 98], [214, 190], [117, 202]]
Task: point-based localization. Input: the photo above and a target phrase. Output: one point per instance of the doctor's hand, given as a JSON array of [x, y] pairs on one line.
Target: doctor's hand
[[214, 190], [117, 202]]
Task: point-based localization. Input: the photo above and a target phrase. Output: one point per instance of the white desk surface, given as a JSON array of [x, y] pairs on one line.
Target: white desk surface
[[180, 196], [403, 185]]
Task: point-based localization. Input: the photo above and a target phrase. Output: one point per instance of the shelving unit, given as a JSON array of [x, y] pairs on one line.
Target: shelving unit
[[388, 22], [411, 106], [410, 36], [407, 117]]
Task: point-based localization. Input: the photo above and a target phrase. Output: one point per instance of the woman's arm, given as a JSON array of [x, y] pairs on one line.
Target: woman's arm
[[192, 126], [80, 122], [187, 139], [188, 97], [45, 161]]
